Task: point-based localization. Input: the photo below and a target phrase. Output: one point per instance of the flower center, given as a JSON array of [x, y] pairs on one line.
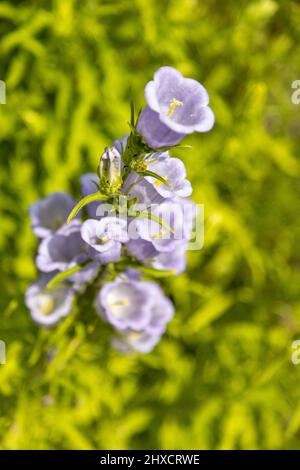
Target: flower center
[[173, 105], [118, 307], [117, 303], [103, 240], [46, 305]]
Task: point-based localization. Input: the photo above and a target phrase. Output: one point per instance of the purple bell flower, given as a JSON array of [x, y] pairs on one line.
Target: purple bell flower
[[162, 238], [105, 237], [49, 214], [135, 305], [48, 306], [174, 171], [63, 249], [125, 304], [167, 251], [176, 106]]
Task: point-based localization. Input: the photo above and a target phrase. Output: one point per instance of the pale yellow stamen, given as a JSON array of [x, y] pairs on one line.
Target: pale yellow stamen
[[103, 240], [173, 105], [47, 306], [158, 235], [117, 303]]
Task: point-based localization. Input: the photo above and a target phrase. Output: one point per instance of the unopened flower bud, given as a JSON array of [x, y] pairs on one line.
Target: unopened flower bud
[[110, 169]]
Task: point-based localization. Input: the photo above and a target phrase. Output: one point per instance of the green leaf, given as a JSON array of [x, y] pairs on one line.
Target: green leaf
[[65, 274], [83, 202], [156, 176], [148, 215], [157, 272], [169, 147], [132, 121]]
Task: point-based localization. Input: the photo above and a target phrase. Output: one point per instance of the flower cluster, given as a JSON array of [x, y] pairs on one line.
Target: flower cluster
[[134, 221]]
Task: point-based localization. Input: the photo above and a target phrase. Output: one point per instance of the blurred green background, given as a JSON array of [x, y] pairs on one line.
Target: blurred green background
[[222, 376]]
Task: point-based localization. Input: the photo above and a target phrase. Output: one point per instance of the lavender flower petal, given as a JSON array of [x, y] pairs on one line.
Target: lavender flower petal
[[63, 249], [49, 214], [104, 233], [46, 306], [176, 106], [126, 304], [174, 171], [155, 132]]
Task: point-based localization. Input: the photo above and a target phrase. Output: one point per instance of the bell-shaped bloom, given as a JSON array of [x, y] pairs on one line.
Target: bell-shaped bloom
[[48, 306], [174, 172], [62, 250], [105, 237], [164, 228], [134, 305], [154, 245], [176, 106], [49, 214], [125, 304]]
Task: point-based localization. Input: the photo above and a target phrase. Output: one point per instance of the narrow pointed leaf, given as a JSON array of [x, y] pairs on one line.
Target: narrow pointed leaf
[[83, 202], [132, 114], [169, 147], [157, 272], [64, 275]]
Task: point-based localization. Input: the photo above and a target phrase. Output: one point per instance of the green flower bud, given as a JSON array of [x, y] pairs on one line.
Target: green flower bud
[[110, 169]]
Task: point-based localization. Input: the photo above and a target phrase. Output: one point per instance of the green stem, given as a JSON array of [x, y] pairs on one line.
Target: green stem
[[65, 274]]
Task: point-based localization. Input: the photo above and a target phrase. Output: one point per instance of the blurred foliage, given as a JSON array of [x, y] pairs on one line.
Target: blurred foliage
[[222, 376]]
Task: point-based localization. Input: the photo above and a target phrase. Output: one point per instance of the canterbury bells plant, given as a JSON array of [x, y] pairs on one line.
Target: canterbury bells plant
[[134, 222]]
